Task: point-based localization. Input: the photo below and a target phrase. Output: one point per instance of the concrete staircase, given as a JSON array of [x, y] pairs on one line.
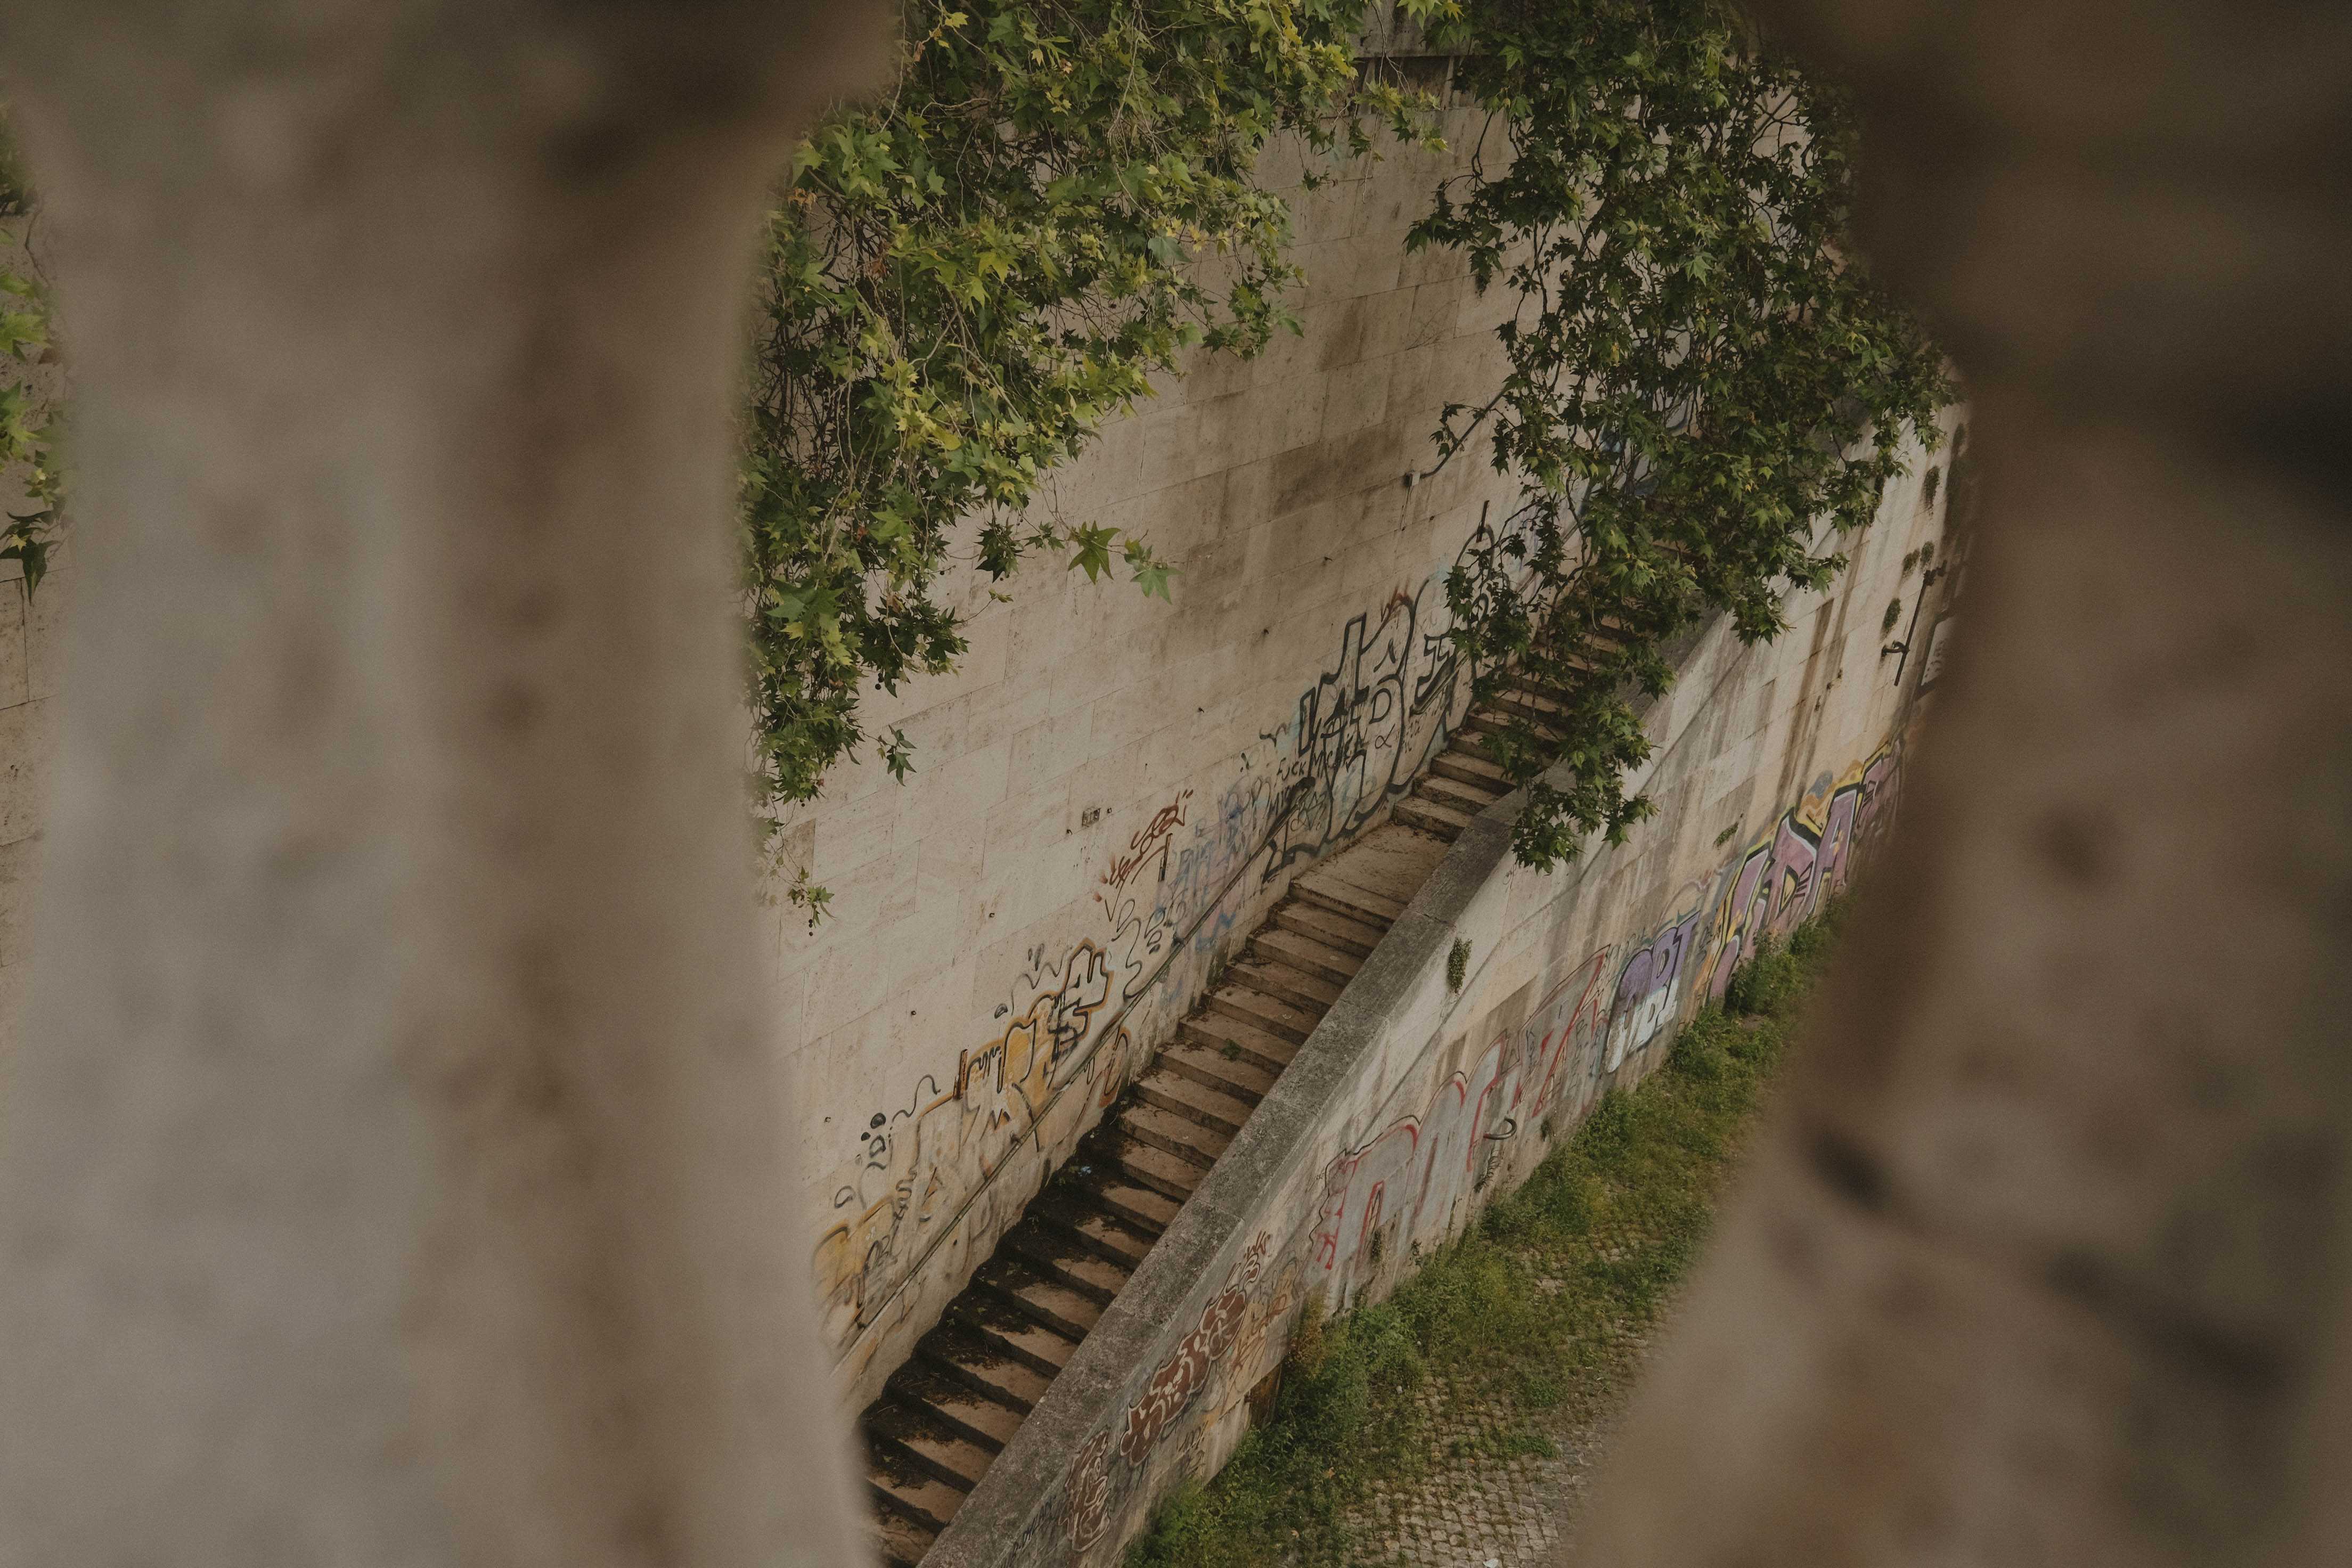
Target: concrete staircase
[[945, 1415]]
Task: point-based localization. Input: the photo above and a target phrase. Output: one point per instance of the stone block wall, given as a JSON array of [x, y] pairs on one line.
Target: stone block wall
[[1112, 790], [1777, 772]]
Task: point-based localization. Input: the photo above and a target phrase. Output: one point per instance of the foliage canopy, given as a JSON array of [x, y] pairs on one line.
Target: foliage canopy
[[1698, 369], [1061, 199]]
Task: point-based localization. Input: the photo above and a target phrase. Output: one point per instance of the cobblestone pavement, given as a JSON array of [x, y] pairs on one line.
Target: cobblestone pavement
[[1512, 1478]]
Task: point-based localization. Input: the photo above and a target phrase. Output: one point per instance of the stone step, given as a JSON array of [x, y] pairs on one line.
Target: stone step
[[1169, 1090], [1467, 799], [1392, 859], [1038, 1295], [1431, 818], [920, 1499], [1005, 1328], [1234, 1075], [1335, 893], [1532, 703], [1240, 1002], [953, 1352], [1221, 1033], [950, 1456], [1158, 1169], [1177, 1135], [1106, 1186], [1310, 993], [1066, 1259], [954, 1403], [1353, 937], [1083, 1218], [899, 1541], [1306, 954], [1471, 768], [1495, 721]]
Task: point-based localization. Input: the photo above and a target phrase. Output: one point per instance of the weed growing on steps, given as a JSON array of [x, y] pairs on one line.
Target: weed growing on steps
[[1535, 1310]]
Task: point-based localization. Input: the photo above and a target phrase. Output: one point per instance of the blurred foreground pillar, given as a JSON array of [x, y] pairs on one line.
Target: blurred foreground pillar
[[392, 1172], [2043, 1260]]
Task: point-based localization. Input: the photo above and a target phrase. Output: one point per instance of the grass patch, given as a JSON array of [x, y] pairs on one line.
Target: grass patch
[[1536, 1309]]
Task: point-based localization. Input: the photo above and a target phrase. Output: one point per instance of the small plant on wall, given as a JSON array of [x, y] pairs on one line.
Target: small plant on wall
[[1457, 965]]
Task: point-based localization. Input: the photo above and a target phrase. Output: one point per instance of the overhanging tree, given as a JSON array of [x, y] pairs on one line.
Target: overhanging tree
[[1699, 370]]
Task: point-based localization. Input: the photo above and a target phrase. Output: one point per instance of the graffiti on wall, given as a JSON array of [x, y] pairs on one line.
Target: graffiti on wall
[[895, 1195], [1175, 1380], [1651, 987], [1567, 1030], [1409, 1177], [1365, 728], [1149, 843], [1231, 1335], [1809, 854], [1415, 1178]]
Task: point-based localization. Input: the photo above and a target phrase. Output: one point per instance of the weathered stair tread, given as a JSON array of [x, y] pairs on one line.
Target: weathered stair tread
[[1353, 937], [1085, 1219], [1530, 700], [1347, 898], [957, 1353], [948, 1456], [1235, 1075], [1496, 722], [988, 1422], [1219, 1032], [1471, 768], [900, 1540], [1392, 859], [1261, 1011], [1172, 1091], [1438, 819], [1056, 1253], [1038, 1295], [1285, 984], [1178, 1135], [1000, 1325], [1306, 953], [1111, 1187], [926, 1499], [1161, 1172], [1465, 797]]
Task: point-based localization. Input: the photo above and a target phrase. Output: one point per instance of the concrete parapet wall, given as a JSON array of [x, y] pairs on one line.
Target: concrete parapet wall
[[1776, 770]]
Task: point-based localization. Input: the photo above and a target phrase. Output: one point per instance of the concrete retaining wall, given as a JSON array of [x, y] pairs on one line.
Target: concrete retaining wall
[[1777, 772]]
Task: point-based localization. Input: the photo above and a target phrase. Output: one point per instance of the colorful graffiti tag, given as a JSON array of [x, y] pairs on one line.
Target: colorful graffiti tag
[[1410, 1178], [1651, 987], [1810, 852], [895, 1196], [1233, 1334]]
